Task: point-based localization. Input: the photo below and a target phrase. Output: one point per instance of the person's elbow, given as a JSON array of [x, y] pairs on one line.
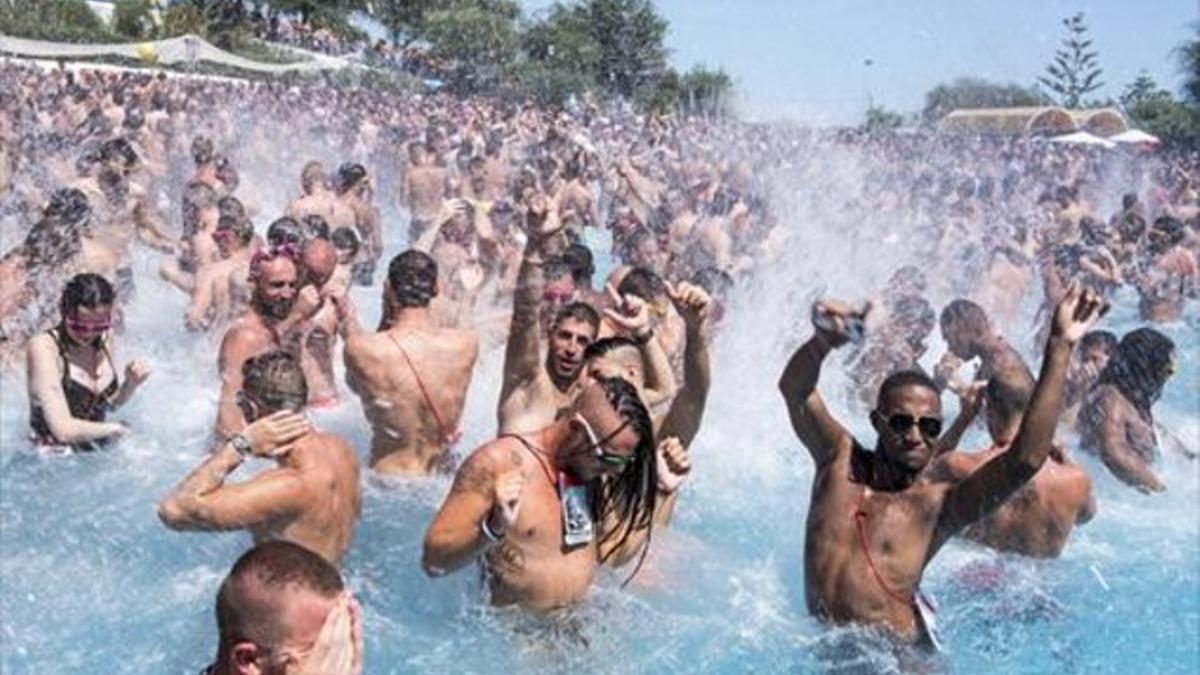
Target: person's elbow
[[433, 562], [172, 514]]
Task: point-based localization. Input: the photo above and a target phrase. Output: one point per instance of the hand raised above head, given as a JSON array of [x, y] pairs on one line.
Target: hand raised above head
[[837, 323], [1077, 312]]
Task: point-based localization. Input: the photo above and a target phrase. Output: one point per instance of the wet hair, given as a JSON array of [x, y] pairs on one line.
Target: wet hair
[[628, 499], [344, 238], [1098, 338], [1138, 367], [1008, 393], [965, 314], [285, 231], [905, 378], [349, 175], [85, 290], [119, 151], [412, 276], [248, 600], [241, 228], [1129, 200], [231, 207], [315, 226], [1170, 232], [202, 150], [605, 345], [579, 311], [68, 206], [275, 380], [714, 280], [579, 259], [642, 283]]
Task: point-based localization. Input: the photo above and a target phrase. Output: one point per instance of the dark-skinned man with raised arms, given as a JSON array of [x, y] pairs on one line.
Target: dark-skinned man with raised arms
[[876, 519]]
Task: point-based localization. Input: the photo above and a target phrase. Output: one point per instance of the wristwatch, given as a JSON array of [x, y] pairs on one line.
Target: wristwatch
[[241, 444]]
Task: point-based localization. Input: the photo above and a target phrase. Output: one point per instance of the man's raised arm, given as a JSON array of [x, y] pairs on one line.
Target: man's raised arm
[[811, 420], [524, 343], [994, 482], [683, 418]]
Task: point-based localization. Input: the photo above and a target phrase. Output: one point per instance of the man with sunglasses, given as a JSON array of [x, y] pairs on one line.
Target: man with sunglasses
[[283, 609], [311, 497], [277, 312], [543, 510], [877, 518]]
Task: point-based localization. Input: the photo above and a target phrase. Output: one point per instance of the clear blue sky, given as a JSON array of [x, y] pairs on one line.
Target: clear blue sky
[[804, 59]]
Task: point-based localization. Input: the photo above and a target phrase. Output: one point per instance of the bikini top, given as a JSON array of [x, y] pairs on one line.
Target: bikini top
[[83, 402]]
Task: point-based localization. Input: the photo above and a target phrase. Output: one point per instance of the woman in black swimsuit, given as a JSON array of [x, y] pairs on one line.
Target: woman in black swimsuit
[[73, 381]]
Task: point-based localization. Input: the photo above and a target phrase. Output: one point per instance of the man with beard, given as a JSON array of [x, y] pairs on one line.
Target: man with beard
[[536, 386], [277, 309], [1116, 422], [878, 518]]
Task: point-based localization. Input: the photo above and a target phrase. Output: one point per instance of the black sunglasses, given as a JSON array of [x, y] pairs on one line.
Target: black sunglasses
[[930, 427]]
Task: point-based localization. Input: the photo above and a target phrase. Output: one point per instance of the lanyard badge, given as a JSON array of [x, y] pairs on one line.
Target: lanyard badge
[[576, 511]]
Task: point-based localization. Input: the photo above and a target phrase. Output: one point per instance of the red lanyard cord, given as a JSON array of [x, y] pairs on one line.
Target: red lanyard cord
[[860, 517]]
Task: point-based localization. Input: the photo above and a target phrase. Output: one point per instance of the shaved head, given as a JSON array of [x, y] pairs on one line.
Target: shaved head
[[319, 259]]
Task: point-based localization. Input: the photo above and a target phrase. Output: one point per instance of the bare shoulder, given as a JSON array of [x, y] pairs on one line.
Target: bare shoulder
[[954, 466], [479, 471]]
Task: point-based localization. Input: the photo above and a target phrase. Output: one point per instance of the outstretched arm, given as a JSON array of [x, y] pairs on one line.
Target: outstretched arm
[[999, 478], [811, 420], [524, 344]]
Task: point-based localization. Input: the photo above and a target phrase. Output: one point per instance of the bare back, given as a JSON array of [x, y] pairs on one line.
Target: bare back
[[409, 431], [328, 470]]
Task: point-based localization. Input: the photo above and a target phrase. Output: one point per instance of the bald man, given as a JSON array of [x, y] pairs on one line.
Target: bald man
[[319, 260], [284, 605]]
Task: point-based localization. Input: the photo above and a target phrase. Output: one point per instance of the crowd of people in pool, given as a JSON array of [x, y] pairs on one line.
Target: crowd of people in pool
[[509, 210]]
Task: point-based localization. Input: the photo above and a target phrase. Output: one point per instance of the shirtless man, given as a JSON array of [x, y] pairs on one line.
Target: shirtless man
[[353, 189], [537, 386], [311, 498], [277, 308], [1116, 421], [284, 609], [877, 518], [969, 334], [412, 376], [540, 551], [1171, 275], [220, 288], [318, 199], [422, 190], [197, 249], [1037, 520]]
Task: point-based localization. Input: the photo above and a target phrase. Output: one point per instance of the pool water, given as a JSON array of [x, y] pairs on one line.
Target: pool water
[[91, 582]]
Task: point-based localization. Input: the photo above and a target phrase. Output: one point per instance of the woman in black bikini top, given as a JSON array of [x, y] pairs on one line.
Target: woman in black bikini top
[[71, 390]]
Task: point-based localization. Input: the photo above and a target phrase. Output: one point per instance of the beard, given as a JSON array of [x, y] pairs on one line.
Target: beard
[[276, 310]]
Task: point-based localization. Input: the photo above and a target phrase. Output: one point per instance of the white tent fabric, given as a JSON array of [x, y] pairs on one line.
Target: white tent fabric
[[183, 49], [1083, 138], [1134, 136]]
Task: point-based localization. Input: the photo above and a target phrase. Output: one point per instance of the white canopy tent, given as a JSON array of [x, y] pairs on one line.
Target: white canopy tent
[[1083, 138], [1135, 136]]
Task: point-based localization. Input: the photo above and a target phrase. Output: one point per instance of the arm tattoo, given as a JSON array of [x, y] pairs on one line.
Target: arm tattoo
[[506, 559]]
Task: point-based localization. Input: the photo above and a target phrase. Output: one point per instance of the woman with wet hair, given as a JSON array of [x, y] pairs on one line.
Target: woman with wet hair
[[73, 381], [1116, 422]]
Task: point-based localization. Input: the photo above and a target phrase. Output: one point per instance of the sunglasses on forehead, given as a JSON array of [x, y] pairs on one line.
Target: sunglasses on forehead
[[930, 427], [606, 457]]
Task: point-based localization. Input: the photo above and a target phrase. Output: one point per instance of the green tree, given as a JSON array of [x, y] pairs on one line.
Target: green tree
[[879, 118], [134, 18], [705, 92], [1188, 56], [63, 20], [1142, 90], [1153, 109], [477, 40], [631, 37], [973, 92], [1074, 72], [405, 19]]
